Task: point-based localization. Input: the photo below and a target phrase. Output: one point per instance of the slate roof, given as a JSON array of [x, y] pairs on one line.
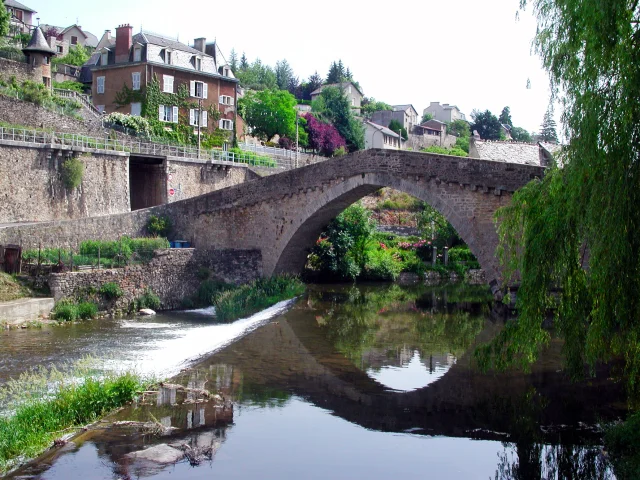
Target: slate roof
[[38, 43], [513, 152], [384, 130], [90, 39], [18, 5], [145, 37], [339, 85], [402, 108]]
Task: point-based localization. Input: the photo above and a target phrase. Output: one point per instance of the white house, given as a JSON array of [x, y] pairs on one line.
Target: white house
[[377, 136]]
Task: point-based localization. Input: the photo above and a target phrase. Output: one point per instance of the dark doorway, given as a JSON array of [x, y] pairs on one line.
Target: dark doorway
[[147, 182]]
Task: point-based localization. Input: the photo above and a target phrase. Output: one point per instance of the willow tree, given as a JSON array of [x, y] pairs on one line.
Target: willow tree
[[577, 231]]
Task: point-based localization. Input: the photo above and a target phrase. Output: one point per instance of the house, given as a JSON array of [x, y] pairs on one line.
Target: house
[[410, 115], [39, 53], [352, 92], [377, 136], [194, 83], [445, 113], [21, 17], [406, 115], [430, 133], [539, 153], [62, 38]]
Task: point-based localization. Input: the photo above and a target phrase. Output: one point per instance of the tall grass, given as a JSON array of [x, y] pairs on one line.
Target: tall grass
[[46, 403], [257, 295]]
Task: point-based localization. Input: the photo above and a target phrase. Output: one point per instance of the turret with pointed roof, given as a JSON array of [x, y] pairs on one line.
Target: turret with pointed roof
[[39, 54]]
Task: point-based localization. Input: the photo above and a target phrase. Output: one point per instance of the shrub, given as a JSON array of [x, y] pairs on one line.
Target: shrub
[[382, 265], [87, 310], [72, 173], [139, 125], [69, 85], [207, 292], [159, 226], [148, 300], [65, 310], [621, 440], [111, 290]]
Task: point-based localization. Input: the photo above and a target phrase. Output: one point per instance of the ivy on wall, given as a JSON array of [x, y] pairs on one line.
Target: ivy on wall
[[152, 97]]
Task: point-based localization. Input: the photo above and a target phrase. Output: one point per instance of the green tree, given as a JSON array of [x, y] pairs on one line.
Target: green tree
[[284, 74], [5, 20], [521, 135], [426, 116], [244, 63], [587, 211], [548, 127], [78, 55], [332, 105], [505, 117], [336, 73], [486, 124], [396, 126], [370, 105], [269, 113], [233, 60], [433, 225]]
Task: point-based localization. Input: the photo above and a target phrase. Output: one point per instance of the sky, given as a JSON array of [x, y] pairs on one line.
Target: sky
[[470, 53]]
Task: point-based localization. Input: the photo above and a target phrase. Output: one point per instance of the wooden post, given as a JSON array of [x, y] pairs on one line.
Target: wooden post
[[434, 255], [446, 256]]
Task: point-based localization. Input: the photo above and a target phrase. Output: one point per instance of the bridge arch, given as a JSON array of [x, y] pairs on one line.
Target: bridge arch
[[465, 209]]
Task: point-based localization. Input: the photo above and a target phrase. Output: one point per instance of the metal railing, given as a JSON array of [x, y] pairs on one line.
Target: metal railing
[[83, 99], [71, 140], [273, 151]]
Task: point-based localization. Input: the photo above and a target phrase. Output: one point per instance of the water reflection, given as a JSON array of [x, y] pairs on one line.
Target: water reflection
[[361, 382]]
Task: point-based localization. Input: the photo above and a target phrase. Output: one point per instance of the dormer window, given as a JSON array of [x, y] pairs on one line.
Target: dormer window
[[198, 64], [137, 54], [104, 58], [166, 56]]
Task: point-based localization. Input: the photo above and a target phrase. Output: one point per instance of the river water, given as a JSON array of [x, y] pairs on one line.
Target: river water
[[372, 381]]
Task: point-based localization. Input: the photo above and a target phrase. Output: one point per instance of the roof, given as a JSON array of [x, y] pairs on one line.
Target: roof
[[432, 125], [512, 152], [339, 85], [382, 129], [38, 43], [397, 108], [145, 38], [14, 4]]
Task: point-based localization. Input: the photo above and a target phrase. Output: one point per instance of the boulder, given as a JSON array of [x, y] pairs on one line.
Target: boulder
[[146, 311]]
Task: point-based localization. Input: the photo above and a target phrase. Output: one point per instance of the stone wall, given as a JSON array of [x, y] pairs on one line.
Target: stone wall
[[172, 274], [416, 142], [190, 178], [31, 187], [21, 71]]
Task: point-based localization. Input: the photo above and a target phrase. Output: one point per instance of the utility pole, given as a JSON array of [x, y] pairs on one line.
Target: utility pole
[[199, 122], [297, 138]]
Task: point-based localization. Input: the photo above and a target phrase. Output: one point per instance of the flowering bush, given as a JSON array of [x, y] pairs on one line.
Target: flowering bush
[[323, 137], [140, 125], [413, 246]]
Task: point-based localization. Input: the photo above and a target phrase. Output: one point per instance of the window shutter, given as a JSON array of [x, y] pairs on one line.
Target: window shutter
[[221, 123], [230, 124], [205, 87], [221, 99], [175, 115], [204, 118], [231, 101], [192, 88], [191, 116], [160, 112]]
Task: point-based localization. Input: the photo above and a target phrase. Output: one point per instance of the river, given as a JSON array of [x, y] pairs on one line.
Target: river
[[370, 381]]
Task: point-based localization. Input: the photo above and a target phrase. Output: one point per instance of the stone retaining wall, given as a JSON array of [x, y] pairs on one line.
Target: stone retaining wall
[[21, 71], [31, 187], [172, 274]]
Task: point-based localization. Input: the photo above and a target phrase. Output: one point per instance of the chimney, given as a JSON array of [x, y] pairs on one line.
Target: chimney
[[199, 44], [123, 42], [107, 34]]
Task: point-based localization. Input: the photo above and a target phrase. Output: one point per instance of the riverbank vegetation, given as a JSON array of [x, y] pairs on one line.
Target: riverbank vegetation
[[11, 288], [46, 404], [350, 248], [232, 302]]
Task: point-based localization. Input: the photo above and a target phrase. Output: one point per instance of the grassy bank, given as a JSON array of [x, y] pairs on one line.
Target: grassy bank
[[621, 441], [41, 415]]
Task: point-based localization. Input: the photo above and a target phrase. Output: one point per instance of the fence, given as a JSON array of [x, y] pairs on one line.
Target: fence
[[71, 140]]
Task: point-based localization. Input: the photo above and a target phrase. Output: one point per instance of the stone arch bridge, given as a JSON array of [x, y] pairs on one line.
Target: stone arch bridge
[[282, 215]]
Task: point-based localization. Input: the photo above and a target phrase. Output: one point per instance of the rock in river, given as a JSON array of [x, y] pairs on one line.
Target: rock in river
[[146, 311]]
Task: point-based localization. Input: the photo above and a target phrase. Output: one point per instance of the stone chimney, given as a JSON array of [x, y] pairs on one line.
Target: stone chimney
[[199, 44], [124, 36]]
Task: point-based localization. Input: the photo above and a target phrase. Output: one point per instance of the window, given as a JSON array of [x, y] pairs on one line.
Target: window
[[349, 88], [74, 40], [353, 102], [193, 117], [137, 54], [168, 58], [198, 89], [226, 124], [168, 84], [226, 100], [136, 109], [100, 85], [135, 80], [198, 64], [45, 60], [104, 58], [59, 48], [167, 113]]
